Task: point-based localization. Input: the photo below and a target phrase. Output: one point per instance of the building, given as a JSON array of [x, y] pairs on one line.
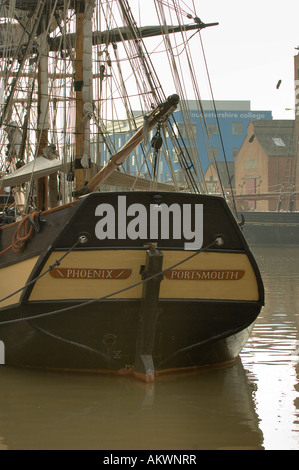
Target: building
[[220, 178], [265, 166], [220, 134]]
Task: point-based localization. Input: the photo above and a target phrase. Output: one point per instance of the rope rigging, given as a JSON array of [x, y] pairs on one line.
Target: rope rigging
[[111, 80]]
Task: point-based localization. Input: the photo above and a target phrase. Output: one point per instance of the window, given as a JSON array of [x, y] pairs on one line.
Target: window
[[183, 132], [237, 128], [278, 142], [174, 155], [213, 129]]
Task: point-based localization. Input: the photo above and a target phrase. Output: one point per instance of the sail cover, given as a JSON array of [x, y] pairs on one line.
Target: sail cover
[[42, 166], [35, 169]]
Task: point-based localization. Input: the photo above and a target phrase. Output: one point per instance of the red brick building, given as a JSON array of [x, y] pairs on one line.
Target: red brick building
[[265, 167]]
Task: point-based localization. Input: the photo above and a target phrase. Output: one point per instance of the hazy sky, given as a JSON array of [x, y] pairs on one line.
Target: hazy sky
[[250, 51]]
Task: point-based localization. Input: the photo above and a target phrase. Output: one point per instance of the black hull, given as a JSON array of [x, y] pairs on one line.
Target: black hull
[[69, 321], [271, 228], [188, 334]]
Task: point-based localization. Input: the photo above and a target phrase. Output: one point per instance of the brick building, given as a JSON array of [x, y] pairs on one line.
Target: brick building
[[265, 167], [220, 176]]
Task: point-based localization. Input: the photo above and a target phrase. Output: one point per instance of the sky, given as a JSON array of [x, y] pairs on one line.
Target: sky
[[251, 49]]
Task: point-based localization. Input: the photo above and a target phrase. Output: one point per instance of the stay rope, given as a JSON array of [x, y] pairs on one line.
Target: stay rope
[[52, 266]]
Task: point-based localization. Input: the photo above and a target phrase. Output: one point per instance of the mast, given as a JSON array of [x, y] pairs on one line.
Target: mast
[[43, 120], [83, 89], [79, 170]]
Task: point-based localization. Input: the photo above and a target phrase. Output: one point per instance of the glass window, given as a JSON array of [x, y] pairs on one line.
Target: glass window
[[237, 128], [183, 132], [278, 142], [213, 129]]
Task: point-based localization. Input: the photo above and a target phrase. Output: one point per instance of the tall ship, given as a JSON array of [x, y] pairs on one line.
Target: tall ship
[[101, 269]]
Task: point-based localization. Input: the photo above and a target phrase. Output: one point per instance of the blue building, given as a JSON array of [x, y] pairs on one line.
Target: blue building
[[231, 117]]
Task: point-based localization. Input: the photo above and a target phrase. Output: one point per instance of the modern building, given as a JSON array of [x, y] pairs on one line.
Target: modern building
[[221, 128], [218, 136]]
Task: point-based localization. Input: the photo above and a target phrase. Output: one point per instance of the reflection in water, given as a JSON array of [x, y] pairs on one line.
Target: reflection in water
[[272, 353], [213, 409], [251, 405]]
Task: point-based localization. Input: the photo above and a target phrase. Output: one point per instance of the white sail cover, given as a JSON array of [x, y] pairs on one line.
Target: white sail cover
[[42, 166], [35, 169]]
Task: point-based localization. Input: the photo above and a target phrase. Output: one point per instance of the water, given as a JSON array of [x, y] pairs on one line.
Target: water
[[252, 405]]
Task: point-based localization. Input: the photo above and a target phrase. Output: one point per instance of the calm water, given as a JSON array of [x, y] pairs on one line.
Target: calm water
[[252, 405]]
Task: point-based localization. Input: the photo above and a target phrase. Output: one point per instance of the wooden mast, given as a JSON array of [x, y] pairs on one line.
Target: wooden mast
[[81, 174], [42, 130], [79, 170]]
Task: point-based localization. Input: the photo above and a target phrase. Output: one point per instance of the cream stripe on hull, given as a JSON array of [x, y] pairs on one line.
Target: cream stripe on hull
[[13, 278], [97, 273]]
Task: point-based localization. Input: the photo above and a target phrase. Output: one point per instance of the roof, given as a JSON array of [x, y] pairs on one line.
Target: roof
[[277, 137], [223, 169]]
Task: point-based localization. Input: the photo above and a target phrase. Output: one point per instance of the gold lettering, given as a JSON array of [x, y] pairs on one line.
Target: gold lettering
[[234, 274], [90, 273], [205, 274]]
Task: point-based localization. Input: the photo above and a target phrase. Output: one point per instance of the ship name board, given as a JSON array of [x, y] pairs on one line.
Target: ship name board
[[90, 273], [205, 275]]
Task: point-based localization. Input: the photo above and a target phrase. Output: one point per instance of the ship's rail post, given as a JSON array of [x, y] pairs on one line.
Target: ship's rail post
[[144, 364]]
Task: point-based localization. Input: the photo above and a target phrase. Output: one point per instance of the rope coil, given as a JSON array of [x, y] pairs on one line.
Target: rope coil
[[22, 233]]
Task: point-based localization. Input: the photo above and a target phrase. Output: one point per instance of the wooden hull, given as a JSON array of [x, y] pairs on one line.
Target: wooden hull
[[102, 308]]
